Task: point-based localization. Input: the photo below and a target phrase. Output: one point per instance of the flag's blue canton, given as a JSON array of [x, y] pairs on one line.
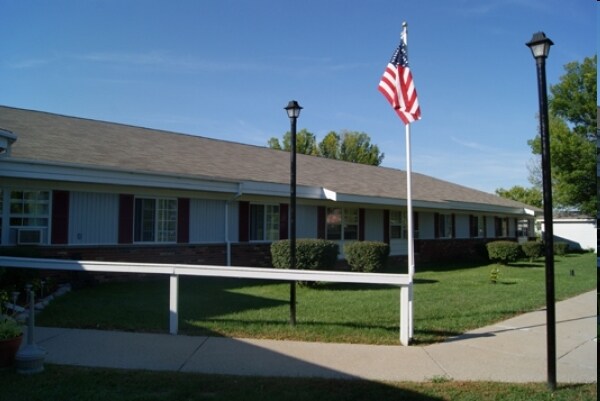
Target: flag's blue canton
[[400, 56]]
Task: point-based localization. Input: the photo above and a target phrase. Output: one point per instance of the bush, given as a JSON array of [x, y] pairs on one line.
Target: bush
[[366, 256], [560, 248], [311, 254], [503, 252], [532, 249]]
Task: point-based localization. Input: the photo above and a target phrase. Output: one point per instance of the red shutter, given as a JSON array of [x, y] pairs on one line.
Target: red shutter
[[183, 220], [60, 217], [361, 224], [321, 222], [436, 225], [244, 221], [284, 221], [416, 224], [386, 226], [125, 219], [484, 226]]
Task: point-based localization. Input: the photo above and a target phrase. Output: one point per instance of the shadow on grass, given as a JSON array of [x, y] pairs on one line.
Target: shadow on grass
[[525, 265], [284, 324], [358, 287], [76, 383], [218, 302], [322, 286]]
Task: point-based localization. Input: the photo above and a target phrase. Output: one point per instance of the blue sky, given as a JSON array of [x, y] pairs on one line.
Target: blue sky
[[226, 68]]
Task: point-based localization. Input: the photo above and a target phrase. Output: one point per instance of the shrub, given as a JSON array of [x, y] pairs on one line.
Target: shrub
[[503, 252], [494, 275], [311, 254], [560, 248], [366, 256], [532, 249]]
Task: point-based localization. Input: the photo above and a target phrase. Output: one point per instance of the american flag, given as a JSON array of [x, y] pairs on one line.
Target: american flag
[[398, 87]]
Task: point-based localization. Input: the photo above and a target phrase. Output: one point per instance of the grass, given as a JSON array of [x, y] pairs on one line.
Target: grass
[[76, 383], [449, 300]]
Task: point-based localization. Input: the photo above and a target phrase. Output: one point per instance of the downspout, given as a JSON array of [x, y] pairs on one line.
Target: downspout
[[227, 204]]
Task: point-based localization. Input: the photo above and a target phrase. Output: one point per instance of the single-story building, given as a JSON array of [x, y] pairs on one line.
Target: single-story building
[[579, 232], [95, 190]]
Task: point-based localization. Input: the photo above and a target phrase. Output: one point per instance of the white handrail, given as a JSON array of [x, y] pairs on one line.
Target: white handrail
[[175, 270]]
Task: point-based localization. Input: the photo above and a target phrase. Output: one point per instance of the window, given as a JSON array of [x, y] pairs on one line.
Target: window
[[444, 226], [477, 226], [398, 225], [264, 222], [501, 228], [523, 228], [29, 209], [155, 220], [342, 224]]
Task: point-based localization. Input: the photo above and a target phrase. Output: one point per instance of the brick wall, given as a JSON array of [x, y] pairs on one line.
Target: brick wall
[[172, 253], [444, 250]]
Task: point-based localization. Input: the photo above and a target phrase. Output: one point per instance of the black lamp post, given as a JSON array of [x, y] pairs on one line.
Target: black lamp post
[[540, 47], [293, 111]]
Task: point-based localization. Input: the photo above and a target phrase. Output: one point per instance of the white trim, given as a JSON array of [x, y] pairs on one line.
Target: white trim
[[16, 168]]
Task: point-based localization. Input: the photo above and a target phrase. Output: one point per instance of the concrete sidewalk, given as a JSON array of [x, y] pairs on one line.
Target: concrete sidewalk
[[510, 351]]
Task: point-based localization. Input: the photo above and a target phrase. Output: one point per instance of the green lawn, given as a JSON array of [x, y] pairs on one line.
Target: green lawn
[[76, 383], [449, 300]]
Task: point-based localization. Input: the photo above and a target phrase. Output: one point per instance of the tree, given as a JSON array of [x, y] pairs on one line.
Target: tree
[[329, 147], [306, 143], [529, 196], [350, 146], [356, 147], [572, 126], [574, 98], [573, 167]]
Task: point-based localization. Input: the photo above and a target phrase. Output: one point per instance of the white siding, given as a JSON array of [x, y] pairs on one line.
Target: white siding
[[306, 221], [374, 225], [426, 225], [490, 225], [462, 225], [93, 218], [207, 221]]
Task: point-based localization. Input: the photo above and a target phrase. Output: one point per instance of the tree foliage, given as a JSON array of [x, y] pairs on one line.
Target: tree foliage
[[306, 143], [529, 196], [574, 97], [349, 146], [356, 147], [572, 127]]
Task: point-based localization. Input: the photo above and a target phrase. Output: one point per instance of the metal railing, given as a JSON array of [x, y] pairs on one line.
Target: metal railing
[[175, 270]]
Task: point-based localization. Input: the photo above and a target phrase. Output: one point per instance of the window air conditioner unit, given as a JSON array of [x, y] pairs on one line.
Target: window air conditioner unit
[[29, 236]]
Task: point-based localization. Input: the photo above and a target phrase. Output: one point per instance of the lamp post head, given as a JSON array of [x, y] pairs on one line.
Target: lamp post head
[[539, 45], [293, 109]]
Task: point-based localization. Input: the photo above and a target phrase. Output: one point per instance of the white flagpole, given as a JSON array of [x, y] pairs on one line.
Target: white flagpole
[[409, 210]]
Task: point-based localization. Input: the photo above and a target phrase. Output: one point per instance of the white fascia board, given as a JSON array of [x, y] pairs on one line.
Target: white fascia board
[[12, 168], [280, 190], [329, 194], [482, 207]]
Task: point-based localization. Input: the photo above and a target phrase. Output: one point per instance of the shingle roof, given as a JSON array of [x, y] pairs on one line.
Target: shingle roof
[[61, 139]]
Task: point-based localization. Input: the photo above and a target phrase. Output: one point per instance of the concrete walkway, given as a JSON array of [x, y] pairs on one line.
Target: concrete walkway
[[510, 351]]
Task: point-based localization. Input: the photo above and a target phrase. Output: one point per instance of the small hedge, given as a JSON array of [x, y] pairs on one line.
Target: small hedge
[[561, 248], [532, 249], [311, 254], [503, 252], [366, 256]]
